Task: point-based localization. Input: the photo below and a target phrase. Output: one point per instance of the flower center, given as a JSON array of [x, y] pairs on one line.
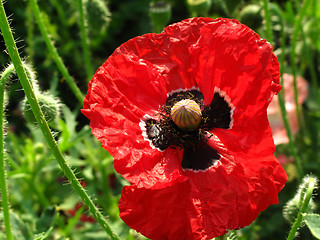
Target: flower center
[[185, 122], [186, 114]]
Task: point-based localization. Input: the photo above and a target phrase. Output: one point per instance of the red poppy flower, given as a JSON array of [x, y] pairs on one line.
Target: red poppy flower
[[195, 183]]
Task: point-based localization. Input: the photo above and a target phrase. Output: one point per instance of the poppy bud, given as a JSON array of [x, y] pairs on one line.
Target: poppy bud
[[186, 114], [160, 14], [199, 7], [99, 16], [251, 16], [293, 206], [49, 105]]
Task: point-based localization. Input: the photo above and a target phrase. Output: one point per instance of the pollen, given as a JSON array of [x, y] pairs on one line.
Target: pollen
[[186, 114]]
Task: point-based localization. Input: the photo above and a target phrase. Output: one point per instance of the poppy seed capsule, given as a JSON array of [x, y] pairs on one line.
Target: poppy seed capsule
[[186, 114]]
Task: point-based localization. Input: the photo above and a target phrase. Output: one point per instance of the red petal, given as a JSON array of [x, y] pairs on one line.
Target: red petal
[[204, 207], [117, 100], [233, 58], [169, 57], [168, 52], [228, 195], [253, 149], [157, 214]]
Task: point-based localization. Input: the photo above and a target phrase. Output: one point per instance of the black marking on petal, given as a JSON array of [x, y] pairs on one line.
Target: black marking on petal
[[218, 113], [156, 134], [199, 157], [165, 133]]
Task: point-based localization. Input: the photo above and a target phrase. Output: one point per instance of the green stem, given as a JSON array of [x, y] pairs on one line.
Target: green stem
[[281, 97], [303, 208], [309, 57], [62, 18], [16, 60], [84, 39], [30, 29], [268, 21], [297, 27], [289, 133], [3, 184], [53, 51], [281, 94]]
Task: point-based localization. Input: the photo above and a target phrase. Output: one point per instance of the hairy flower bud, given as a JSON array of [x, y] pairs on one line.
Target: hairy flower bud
[[50, 106], [186, 114], [293, 206]]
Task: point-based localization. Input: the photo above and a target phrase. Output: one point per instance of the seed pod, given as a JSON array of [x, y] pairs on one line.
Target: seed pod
[[186, 114]]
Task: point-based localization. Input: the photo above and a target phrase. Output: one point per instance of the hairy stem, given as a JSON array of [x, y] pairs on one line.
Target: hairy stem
[[16, 60], [3, 184], [53, 51], [84, 39]]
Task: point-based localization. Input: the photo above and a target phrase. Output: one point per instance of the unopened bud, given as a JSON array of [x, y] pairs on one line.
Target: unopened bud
[[251, 16], [160, 14], [186, 114], [199, 7], [293, 206], [50, 106]]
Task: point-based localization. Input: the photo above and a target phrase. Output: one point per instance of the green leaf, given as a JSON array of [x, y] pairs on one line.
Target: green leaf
[[44, 235], [46, 219], [70, 118], [313, 223], [64, 142]]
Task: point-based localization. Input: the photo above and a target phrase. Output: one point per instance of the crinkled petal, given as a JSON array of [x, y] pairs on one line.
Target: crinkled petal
[[204, 207], [231, 57], [157, 214], [167, 56], [263, 173], [168, 52], [225, 196], [253, 148], [234, 60], [118, 99]]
